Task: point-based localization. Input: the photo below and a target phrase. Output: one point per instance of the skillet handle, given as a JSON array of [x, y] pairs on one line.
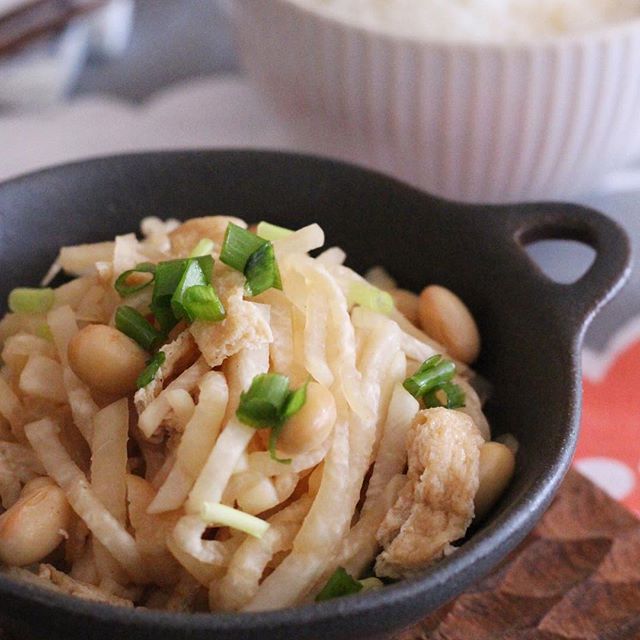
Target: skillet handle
[[580, 301]]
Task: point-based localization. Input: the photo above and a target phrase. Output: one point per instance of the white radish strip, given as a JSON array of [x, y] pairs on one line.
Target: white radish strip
[[340, 335], [126, 253], [261, 461], [12, 410], [315, 339], [429, 347], [473, 408], [18, 348], [181, 404], [83, 407], [10, 485], [417, 350], [63, 326], [301, 241], [204, 573], [43, 436], [281, 350], [109, 457], [42, 378], [333, 508], [196, 443], [324, 525], [215, 475], [392, 452], [80, 259], [331, 257], [361, 544], [159, 407], [187, 535], [248, 563], [213, 479]]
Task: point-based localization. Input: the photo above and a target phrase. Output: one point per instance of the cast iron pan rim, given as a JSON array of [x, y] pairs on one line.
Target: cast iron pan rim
[[473, 559]]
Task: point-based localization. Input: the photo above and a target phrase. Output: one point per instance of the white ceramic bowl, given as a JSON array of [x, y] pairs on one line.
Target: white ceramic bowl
[[474, 122]]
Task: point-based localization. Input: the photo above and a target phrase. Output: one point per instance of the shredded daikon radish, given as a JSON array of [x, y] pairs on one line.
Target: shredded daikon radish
[[177, 479], [157, 410], [235, 436], [43, 436], [240, 583], [108, 471], [302, 241], [80, 259], [196, 443]]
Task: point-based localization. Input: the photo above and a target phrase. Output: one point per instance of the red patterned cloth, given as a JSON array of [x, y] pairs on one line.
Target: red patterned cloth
[[609, 446]]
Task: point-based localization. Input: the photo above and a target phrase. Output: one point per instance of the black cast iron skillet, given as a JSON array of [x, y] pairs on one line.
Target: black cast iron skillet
[[531, 327]]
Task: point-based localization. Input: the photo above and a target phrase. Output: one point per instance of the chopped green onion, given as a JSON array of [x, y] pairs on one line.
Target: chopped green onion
[[271, 231], [262, 405], [220, 514], [262, 271], [370, 297], [238, 246], [191, 276], [339, 584], [149, 372], [168, 277], [371, 584], [273, 443], [268, 404], [43, 331], [133, 324], [201, 302], [27, 300], [454, 394], [203, 248], [295, 401], [124, 289], [432, 373]]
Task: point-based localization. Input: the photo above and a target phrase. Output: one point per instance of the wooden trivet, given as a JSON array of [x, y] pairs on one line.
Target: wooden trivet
[[577, 576]]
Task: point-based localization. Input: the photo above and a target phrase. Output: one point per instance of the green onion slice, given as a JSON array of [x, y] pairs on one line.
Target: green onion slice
[[454, 394], [203, 248], [339, 584], [273, 443], [271, 231], [262, 405], [268, 404], [169, 275], [220, 514], [370, 297], [149, 372], [192, 276], [262, 271], [238, 246], [44, 331], [433, 372], [121, 284], [295, 401], [133, 324], [28, 300], [201, 302]]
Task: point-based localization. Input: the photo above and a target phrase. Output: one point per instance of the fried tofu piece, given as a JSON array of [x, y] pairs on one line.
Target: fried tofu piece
[[435, 507], [246, 325]]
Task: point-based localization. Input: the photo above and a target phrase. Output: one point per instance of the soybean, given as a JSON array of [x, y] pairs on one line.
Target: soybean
[[445, 318], [35, 525], [106, 360]]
